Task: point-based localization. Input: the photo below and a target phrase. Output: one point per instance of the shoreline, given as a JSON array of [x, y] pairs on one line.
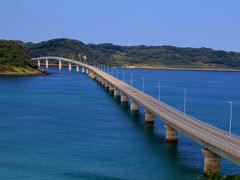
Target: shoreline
[[36, 73], [43, 72], [187, 69]]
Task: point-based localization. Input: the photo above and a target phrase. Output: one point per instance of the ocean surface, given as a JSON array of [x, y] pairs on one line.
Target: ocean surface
[[66, 126]]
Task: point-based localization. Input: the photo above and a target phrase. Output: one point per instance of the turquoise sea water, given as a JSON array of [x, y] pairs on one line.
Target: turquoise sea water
[[66, 126]]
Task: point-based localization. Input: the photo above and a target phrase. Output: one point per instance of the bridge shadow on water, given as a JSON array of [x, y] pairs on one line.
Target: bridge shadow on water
[[155, 136]]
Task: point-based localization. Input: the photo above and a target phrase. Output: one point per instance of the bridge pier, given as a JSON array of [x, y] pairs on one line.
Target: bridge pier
[[124, 98], [116, 93], [106, 85], [111, 89], [39, 64], [171, 133], [149, 118], [96, 78], [87, 71], [83, 70], [77, 68], [133, 106], [99, 80], [211, 162], [60, 65], [102, 82], [91, 74], [46, 63], [69, 66]]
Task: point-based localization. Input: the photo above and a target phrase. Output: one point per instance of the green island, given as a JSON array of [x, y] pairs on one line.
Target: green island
[[137, 56], [15, 56], [14, 60]]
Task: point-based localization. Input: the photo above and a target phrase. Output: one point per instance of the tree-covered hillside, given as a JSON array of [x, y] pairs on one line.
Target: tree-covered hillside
[[14, 59], [156, 56]]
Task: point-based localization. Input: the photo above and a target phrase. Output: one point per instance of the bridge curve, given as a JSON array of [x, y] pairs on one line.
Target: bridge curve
[[60, 59], [216, 142]]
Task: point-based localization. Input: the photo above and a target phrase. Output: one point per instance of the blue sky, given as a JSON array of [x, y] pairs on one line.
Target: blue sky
[[184, 23]]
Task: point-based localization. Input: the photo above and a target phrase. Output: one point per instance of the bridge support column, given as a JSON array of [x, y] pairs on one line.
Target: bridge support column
[[149, 118], [89, 73], [77, 68], [69, 66], [99, 80], [39, 64], [171, 133], [102, 82], [83, 69], [46, 63], [116, 93], [111, 89], [124, 98], [60, 65], [133, 106], [87, 70], [211, 162], [96, 78], [106, 85]]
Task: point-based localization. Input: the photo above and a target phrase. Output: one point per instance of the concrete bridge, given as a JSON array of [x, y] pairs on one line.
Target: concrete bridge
[[216, 143]]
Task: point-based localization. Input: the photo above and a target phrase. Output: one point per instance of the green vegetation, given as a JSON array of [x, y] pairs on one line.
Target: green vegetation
[[140, 56], [14, 59]]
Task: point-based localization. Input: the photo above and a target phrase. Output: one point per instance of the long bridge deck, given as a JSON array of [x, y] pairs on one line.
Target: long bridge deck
[[213, 139]]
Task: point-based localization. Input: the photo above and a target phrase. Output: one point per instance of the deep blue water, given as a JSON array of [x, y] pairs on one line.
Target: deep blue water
[[66, 126]]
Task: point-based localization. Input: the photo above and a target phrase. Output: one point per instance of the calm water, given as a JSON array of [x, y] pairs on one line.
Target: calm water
[[65, 126]]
